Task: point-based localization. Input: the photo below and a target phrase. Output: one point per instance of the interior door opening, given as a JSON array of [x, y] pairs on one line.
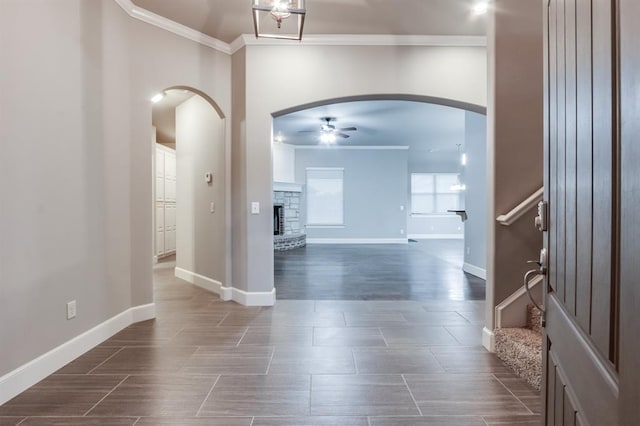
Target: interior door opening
[[376, 190], [190, 187]]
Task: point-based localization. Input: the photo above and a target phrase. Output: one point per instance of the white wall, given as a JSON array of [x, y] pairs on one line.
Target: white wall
[[457, 73], [284, 163], [201, 239], [78, 224]]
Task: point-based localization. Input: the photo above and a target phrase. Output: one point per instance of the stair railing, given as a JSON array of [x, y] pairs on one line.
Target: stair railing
[[521, 209], [516, 213]]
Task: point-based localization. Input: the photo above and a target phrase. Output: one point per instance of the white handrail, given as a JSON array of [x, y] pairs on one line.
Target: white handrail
[[518, 211]]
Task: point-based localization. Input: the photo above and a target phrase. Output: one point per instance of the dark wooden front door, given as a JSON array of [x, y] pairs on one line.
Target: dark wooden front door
[[581, 165], [592, 187]]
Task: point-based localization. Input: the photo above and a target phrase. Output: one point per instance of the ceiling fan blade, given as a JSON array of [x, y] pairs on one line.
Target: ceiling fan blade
[[348, 129], [343, 135]]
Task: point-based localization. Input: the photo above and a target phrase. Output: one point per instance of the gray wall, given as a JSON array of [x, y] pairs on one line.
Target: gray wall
[[79, 225], [374, 182], [79, 221], [200, 240], [456, 73], [239, 203], [475, 178], [515, 142]]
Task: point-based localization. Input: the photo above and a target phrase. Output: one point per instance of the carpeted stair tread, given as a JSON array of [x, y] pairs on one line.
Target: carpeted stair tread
[[521, 350], [534, 317]]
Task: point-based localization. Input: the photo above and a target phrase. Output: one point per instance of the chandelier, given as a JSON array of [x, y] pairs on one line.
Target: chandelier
[[279, 26]]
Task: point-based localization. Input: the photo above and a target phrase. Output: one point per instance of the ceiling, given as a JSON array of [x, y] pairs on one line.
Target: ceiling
[[431, 132], [228, 19]]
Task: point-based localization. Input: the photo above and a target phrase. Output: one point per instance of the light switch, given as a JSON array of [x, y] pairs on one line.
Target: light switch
[[212, 207], [401, 208], [255, 207]]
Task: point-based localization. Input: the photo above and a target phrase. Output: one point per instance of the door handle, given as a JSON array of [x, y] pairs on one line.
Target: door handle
[[527, 280]]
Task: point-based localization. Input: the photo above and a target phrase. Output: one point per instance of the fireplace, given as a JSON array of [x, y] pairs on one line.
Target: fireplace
[[278, 219], [287, 234]]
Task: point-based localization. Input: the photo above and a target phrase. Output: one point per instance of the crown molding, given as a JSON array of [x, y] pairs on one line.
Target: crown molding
[[362, 40], [355, 147], [243, 40], [151, 18]]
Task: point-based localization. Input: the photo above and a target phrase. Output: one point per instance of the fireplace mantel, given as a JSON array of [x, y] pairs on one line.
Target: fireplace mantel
[[287, 187]]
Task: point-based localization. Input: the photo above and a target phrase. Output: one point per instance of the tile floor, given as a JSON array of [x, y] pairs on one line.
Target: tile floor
[[206, 362]]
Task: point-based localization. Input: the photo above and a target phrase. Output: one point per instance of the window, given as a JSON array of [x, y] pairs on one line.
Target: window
[[325, 196], [432, 194]]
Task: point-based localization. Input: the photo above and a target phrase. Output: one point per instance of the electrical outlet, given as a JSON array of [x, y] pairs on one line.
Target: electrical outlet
[[468, 250], [402, 232], [212, 207], [71, 309], [255, 207]]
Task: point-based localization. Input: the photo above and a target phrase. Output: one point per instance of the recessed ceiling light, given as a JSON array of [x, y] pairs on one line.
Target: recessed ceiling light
[[157, 97], [480, 8]]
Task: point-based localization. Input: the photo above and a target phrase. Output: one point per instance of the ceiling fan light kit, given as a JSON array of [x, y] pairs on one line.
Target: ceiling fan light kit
[[275, 19], [328, 131]]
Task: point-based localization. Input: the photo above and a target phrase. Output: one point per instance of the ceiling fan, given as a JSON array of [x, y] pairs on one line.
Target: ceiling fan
[[328, 131]]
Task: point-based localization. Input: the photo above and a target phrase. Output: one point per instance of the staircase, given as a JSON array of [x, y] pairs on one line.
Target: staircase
[[521, 348]]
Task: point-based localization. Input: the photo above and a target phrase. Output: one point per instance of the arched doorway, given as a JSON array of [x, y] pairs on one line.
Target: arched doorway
[[191, 188], [387, 150]]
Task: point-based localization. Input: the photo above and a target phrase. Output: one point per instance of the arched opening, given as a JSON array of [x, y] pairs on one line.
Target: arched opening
[[190, 190], [377, 186]]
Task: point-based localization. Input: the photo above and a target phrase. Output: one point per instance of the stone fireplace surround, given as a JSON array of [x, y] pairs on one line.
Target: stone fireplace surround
[[291, 237]]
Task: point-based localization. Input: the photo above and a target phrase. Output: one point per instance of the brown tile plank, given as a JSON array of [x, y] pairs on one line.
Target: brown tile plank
[[277, 336], [311, 421], [396, 361], [253, 395], [312, 360], [156, 395], [201, 421], [428, 421], [417, 335], [347, 337], [61, 395], [80, 421], [143, 359], [361, 395]]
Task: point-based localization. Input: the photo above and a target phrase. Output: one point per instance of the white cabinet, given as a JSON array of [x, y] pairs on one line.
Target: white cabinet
[[165, 200]]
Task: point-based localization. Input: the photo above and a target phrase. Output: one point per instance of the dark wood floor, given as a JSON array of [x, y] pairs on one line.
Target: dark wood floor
[[208, 362], [424, 270]]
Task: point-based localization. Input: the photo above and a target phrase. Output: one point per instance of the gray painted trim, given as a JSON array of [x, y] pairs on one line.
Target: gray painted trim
[[387, 97]]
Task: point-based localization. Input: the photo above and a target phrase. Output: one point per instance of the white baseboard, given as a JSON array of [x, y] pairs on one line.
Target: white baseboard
[[512, 311], [27, 375], [357, 241], [204, 283], [475, 270], [254, 298], [488, 339], [436, 236]]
